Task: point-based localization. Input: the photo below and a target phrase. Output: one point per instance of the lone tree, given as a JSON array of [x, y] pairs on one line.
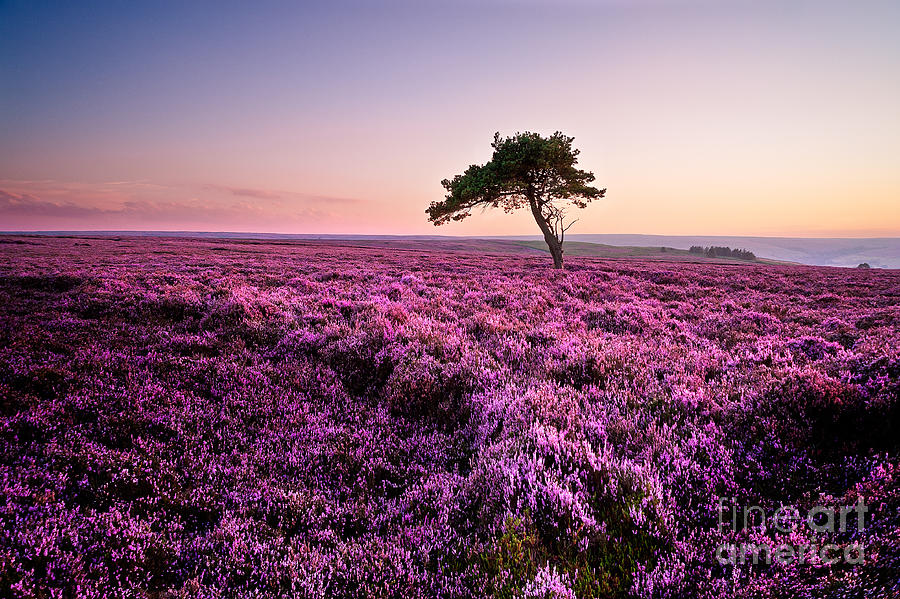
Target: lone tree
[[526, 170]]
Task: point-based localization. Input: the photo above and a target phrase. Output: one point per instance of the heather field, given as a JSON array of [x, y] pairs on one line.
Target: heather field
[[208, 418]]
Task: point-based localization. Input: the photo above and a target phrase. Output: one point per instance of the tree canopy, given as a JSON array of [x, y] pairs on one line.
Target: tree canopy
[[526, 170]]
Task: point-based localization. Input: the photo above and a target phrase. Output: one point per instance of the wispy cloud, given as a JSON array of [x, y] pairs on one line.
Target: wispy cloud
[[247, 192], [328, 199], [25, 204], [273, 194], [138, 204]]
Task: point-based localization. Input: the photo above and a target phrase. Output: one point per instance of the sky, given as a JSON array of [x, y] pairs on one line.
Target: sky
[[700, 117]]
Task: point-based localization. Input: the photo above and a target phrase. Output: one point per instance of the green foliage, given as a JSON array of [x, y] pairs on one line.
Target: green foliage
[[718, 251], [596, 567], [511, 560], [525, 168]]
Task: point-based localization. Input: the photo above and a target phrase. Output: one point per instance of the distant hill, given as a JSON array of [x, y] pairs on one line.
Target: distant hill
[[473, 245], [877, 252], [620, 252]]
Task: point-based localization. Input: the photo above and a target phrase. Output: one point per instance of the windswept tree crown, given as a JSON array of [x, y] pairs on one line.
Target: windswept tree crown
[[526, 170], [526, 163]]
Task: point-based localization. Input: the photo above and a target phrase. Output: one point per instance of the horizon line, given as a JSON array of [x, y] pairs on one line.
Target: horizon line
[[186, 232]]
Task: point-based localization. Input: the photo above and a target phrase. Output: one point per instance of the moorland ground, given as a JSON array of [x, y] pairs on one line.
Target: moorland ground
[[185, 417]]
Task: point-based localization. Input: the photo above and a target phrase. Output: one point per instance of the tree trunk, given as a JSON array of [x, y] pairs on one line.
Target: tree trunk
[[555, 250], [553, 243]]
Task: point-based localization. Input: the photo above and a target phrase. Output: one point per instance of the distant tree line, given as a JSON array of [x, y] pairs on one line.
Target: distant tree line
[[718, 251]]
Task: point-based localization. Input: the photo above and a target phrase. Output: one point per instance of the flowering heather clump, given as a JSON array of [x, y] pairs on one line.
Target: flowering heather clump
[[186, 418]]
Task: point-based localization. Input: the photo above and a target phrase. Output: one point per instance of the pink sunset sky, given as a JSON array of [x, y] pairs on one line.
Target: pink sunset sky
[[700, 117]]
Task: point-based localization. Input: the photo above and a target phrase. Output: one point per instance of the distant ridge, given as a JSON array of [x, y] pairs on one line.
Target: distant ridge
[[879, 252]]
